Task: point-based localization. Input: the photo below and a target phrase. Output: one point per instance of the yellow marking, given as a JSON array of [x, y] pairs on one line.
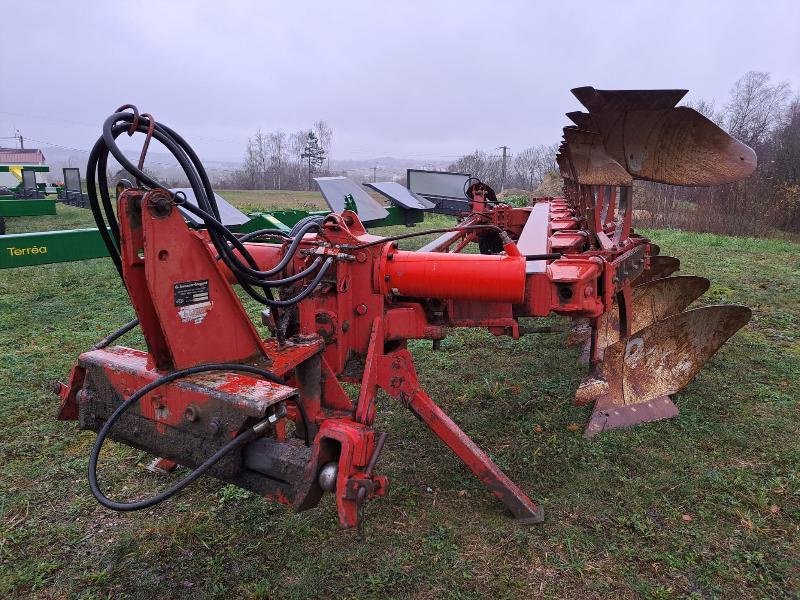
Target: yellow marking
[[14, 251]]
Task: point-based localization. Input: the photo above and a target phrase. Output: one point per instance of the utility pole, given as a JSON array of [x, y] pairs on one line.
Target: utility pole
[[374, 174], [503, 169]]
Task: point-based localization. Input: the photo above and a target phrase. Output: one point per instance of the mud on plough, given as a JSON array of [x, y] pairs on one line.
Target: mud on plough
[[269, 412]]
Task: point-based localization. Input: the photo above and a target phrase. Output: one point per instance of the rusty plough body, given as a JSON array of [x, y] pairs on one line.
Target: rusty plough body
[[644, 347]]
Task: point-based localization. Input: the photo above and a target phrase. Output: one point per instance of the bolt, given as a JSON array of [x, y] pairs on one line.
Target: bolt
[[345, 326], [191, 413], [160, 204], [361, 309]]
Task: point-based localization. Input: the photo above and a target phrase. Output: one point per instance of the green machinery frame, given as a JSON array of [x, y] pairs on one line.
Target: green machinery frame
[[26, 207], [41, 248]]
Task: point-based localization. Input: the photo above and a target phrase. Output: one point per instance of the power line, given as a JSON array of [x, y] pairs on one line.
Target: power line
[[94, 126], [503, 169], [84, 151]]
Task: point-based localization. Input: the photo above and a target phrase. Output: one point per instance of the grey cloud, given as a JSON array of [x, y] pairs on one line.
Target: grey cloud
[[393, 78]]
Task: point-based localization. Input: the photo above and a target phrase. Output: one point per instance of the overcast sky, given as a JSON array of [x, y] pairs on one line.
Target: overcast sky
[[403, 78]]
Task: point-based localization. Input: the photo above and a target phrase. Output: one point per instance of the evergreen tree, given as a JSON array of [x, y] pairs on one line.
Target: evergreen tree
[[313, 153]]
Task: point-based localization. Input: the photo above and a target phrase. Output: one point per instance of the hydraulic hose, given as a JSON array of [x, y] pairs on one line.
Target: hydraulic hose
[[115, 335], [230, 248], [241, 439]]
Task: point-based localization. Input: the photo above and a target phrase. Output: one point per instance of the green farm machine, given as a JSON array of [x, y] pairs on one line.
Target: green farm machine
[[28, 198]]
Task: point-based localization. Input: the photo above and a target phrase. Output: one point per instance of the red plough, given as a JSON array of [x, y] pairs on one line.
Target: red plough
[[268, 411]]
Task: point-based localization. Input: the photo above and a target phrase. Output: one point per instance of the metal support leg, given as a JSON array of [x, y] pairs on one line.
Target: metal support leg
[[399, 379]]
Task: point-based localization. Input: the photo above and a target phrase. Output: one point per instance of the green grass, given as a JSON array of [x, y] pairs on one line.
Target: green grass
[[69, 217], [266, 199], [706, 505]]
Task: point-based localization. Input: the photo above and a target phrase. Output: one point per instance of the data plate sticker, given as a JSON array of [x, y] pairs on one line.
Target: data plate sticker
[[191, 292]]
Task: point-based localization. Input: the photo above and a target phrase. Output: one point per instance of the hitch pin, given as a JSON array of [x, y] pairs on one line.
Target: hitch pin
[[362, 492]]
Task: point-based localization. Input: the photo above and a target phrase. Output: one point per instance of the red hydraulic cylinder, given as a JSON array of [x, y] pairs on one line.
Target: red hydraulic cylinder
[[490, 278]]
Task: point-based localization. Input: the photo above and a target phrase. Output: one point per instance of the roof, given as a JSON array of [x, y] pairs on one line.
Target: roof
[[21, 156]]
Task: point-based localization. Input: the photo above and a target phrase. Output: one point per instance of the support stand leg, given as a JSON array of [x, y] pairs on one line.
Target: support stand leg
[[399, 379]]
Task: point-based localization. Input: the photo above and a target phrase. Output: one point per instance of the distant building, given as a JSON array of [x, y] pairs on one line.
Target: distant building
[[17, 157], [21, 156]]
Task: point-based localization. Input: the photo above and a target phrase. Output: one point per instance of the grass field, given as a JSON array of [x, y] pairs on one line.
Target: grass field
[[706, 505]]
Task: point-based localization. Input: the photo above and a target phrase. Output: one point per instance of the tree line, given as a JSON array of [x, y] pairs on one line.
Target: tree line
[[761, 113], [280, 161], [525, 170]]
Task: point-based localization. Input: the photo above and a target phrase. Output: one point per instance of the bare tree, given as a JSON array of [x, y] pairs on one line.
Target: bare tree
[[706, 108], [488, 168], [276, 143], [324, 134], [250, 167], [531, 165], [297, 144], [756, 107]]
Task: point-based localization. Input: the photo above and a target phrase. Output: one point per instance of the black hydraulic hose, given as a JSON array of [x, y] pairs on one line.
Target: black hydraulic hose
[[301, 223], [112, 131], [255, 276], [221, 247], [117, 334], [253, 235], [309, 288], [117, 123], [212, 201], [281, 233], [224, 241], [230, 446], [102, 226], [297, 276], [246, 276]]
